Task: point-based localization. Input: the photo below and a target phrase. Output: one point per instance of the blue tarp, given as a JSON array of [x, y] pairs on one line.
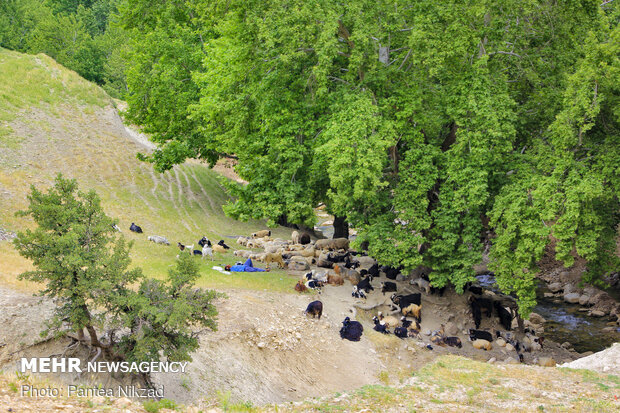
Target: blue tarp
[[247, 267]]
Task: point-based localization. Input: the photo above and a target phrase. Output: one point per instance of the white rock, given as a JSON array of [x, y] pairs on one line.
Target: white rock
[[555, 287], [572, 298]]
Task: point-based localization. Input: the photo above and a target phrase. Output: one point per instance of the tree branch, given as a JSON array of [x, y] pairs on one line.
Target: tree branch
[[338, 79], [507, 53], [405, 59]]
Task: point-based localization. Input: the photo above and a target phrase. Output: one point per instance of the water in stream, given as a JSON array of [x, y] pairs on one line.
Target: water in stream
[[565, 322]]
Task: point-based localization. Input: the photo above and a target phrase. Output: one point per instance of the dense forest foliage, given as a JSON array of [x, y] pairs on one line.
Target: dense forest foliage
[[437, 129]]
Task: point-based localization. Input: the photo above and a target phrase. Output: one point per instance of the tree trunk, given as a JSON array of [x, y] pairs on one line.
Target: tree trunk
[[341, 227], [94, 340], [283, 221], [520, 324], [450, 138]]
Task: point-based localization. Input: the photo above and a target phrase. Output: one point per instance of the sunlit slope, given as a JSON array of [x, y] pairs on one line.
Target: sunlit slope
[[52, 120]]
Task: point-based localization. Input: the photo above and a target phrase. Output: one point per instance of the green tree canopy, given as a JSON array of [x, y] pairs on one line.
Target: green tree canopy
[[435, 128]]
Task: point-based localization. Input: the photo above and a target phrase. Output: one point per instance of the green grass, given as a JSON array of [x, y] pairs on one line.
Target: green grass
[[453, 383], [182, 204], [27, 81], [153, 406], [8, 139]]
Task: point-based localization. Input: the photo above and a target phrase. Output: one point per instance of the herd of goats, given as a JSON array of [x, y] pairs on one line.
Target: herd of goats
[[336, 263]]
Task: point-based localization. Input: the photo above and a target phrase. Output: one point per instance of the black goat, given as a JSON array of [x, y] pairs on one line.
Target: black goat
[[304, 238], [221, 243], [476, 313], [390, 272], [485, 303], [374, 270], [365, 285], [379, 326], [335, 257], [474, 289], [135, 228], [351, 330], [404, 301], [480, 334], [315, 308], [401, 332], [505, 317], [453, 341], [388, 286]]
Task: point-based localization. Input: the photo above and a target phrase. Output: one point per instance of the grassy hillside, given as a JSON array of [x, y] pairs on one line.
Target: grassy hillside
[[457, 384], [52, 120]]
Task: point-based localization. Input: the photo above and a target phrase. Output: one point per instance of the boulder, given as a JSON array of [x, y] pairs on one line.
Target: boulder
[[555, 287], [298, 265], [595, 298], [366, 261], [597, 313], [419, 271], [568, 288], [451, 329], [589, 290], [606, 304], [511, 360], [572, 298], [584, 299], [546, 362], [566, 345], [481, 268], [536, 318], [548, 295], [509, 347]]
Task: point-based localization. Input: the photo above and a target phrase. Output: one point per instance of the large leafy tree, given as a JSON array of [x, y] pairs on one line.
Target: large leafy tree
[[84, 265], [435, 128]]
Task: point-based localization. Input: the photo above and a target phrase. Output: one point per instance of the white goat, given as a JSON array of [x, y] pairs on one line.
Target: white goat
[[207, 250]]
